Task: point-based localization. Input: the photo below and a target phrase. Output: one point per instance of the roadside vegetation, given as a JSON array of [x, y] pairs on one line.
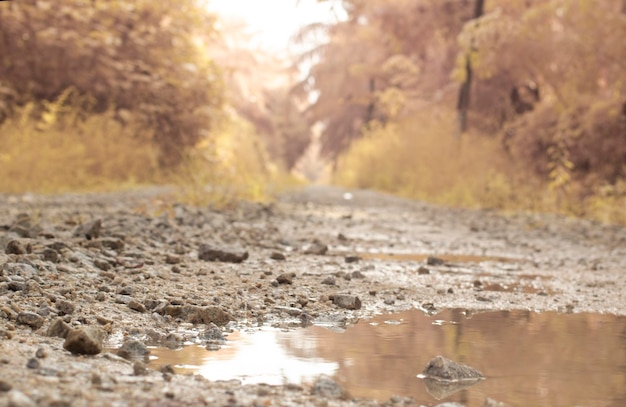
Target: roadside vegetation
[[517, 105]]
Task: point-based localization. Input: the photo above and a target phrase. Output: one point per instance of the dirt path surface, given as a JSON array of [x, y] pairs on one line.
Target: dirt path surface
[[82, 275]]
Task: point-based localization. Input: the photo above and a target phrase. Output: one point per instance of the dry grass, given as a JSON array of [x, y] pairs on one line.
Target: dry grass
[[420, 158]]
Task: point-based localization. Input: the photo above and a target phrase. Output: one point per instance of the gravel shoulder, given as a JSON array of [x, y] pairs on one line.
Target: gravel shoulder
[[137, 266]]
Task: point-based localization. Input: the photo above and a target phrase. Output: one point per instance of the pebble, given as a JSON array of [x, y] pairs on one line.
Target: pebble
[[330, 280], [133, 349], [34, 320], [89, 230], [285, 278], [58, 328], [65, 307], [346, 301], [326, 387], [86, 340], [316, 247], [277, 256], [222, 254], [446, 369], [136, 306]]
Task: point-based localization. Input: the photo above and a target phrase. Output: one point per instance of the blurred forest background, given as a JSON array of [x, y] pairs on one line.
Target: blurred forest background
[[516, 104]]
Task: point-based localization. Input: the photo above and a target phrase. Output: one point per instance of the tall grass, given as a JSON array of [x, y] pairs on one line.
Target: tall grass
[[420, 158]]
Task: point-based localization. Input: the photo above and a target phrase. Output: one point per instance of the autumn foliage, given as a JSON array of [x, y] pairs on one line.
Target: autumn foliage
[[547, 106]]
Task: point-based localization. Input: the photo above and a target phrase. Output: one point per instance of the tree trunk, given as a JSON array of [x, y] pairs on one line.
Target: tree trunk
[[466, 87]]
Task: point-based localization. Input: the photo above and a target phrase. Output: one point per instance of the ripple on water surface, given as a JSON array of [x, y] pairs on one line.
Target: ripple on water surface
[[538, 359]]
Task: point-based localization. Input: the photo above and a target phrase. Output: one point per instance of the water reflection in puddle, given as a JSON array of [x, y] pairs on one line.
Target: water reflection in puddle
[[530, 359]]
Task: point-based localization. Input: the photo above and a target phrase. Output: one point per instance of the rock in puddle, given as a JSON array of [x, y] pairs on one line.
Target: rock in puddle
[[85, 340], [441, 368], [209, 252], [346, 301], [133, 350]]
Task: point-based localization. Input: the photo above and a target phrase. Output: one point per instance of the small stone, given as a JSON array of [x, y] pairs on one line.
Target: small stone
[[5, 386], [227, 255], [102, 264], [434, 261], [86, 340], [133, 349], [330, 280], [50, 255], [445, 369], [346, 301], [352, 259], [277, 256], [35, 321], [58, 328], [41, 353], [316, 248], [33, 363], [172, 259], [212, 333], [136, 306], [285, 278], [139, 368], [65, 307], [113, 244], [422, 271], [357, 274], [326, 387], [389, 300], [90, 230], [15, 247]]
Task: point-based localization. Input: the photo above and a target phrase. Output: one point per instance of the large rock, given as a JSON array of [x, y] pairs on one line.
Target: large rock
[[85, 341], [209, 252]]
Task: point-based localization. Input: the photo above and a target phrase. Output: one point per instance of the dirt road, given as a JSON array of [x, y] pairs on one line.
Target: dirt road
[[139, 268]]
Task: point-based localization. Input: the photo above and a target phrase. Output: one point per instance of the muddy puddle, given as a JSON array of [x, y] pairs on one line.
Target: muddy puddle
[[529, 359]]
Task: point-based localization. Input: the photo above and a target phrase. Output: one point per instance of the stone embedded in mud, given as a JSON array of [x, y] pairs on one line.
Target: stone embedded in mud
[[33, 320], [85, 341], [132, 350], [90, 230], [58, 328], [326, 387], [223, 254], [440, 368], [346, 301]]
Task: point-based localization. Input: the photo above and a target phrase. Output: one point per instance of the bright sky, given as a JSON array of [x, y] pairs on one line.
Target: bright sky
[[274, 22]]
